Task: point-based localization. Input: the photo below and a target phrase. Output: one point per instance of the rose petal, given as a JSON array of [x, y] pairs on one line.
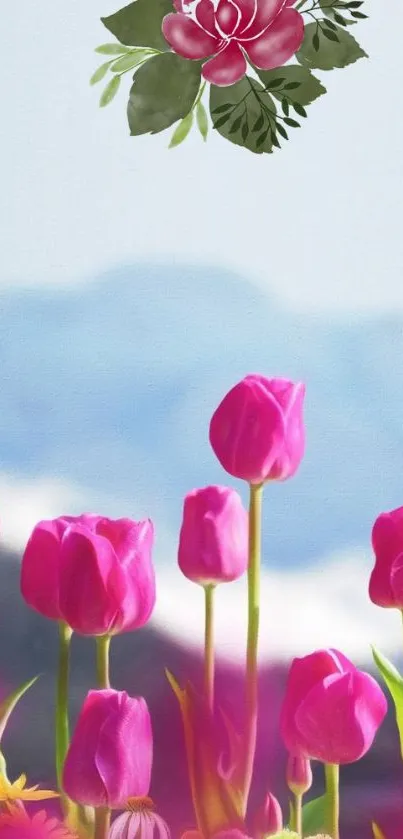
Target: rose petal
[[248, 10], [227, 16], [226, 68], [278, 43], [266, 11], [205, 16], [187, 38]]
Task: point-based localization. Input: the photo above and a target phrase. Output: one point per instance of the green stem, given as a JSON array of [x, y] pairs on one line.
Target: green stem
[[102, 822], [103, 644], [199, 95], [255, 537], [332, 795], [209, 646], [298, 814], [62, 711]]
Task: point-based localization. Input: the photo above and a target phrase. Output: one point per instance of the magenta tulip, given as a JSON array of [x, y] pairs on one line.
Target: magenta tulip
[[269, 818], [213, 542], [298, 774], [110, 755], [331, 711], [257, 431], [386, 582], [94, 573]]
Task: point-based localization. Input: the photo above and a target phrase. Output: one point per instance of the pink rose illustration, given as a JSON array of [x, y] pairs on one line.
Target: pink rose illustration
[[266, 32]]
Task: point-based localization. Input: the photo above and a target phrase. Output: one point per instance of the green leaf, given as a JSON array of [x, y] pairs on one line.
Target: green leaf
[[245, 131], [330, 54], [8, 704], [252, 104], [359, 15], [182, 130], [394, 683], [223, 108], [163, 91], [339, 19], [110, 91], [112, 49], [285, 107], [281, 130], [202, 120], [292, 122], [100, 72], [275, 83], [139, 23], [129, 61], [305, 86], [315, 41], [299, 109], [314, 816], [328, 33]]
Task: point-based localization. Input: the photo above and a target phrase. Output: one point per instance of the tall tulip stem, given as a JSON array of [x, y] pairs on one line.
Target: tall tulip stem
[[255, 539], [209, 645], [102, 822], [332, 795], [298, 813], [103, 645], [62, 710]]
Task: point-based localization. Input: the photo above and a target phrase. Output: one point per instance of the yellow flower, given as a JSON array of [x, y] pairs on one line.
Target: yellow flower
[[17, 791]]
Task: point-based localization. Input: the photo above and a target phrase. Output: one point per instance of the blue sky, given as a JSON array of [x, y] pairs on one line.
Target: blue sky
[[311, 235]]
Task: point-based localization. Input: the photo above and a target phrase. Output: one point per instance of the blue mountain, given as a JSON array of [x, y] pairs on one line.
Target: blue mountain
[[111, 385]]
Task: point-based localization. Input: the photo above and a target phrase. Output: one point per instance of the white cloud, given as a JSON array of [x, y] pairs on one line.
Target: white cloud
[[318, 223], [302, 610]]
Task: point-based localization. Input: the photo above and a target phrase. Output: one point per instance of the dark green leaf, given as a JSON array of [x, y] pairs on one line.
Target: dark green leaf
[[330, 24], [281, 130], [110, 91], [314, 816], [163, 91], [359, 15], [355, 4], [291, 122], [346, 51], [182, 130], [202, 120], [223, 108], [315, 41], [285, 106], [249, 100], [245, 131], [129, 61], [112, 49], [259, 123], [100, 73], [275, 83], [339, 19], [330, 35], [305, 86], [222, 121], [394, 683], [299, 109], [139, 23], [275, 140], [236, 124]]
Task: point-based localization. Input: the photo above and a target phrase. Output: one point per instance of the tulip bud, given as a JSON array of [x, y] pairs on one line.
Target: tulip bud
[[299, 774], [386, 582], [257, 431], [331, 710], [110, 755], [269, 818], [213, 542]]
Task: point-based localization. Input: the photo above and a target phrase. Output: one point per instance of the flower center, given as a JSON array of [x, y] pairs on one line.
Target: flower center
[[140, 804]]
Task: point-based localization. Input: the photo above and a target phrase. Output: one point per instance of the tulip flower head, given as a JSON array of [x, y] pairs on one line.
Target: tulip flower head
[[257, 431], [332, 710], [94, 573], [140, 821], [110, 755], [386, 581], [213, 542], [269, 818], [299, 774]]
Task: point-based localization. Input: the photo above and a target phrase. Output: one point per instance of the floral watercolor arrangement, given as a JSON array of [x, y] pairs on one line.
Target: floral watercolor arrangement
[[255, 57], [94, 576]]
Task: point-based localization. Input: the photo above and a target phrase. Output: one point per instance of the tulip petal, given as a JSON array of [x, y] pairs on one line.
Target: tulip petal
[[290, 397], [278, 43], [226, 68], [266, 11], [40, 568], [187, 38], [387, 543], [81, 779], [340, 716]]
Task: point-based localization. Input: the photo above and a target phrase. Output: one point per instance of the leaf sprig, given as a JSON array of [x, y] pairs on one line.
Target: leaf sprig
[[124, 59]]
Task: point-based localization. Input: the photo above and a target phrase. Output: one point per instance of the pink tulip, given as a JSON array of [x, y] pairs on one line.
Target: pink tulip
[[298, 774], [257, 431], [232, 31], [269, 818], [386, 582], [331, 711], [92, 572], [213, 542], [110, 755]]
